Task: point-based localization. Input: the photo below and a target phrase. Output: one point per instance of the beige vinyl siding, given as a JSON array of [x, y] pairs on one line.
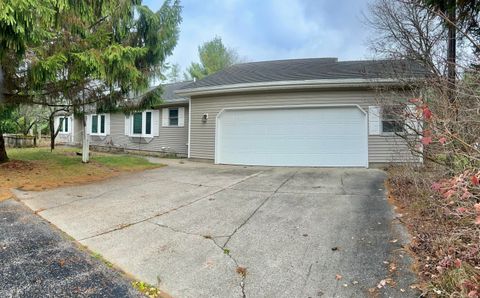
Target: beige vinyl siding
[[382, 149], [170, 139]]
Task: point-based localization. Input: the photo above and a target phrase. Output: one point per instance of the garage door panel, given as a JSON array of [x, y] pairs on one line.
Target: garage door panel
[[293, 137], [305, 145], [301, 160], [310, 130]]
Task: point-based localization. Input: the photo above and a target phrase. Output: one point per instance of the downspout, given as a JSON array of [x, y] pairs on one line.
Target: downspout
[[189, 126]]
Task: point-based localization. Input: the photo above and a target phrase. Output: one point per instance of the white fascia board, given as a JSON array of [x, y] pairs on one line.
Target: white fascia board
[[285, 85]]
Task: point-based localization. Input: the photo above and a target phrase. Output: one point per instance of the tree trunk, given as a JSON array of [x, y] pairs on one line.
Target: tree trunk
[[3, 151], [85, 143], [452, 50], [52, 133]]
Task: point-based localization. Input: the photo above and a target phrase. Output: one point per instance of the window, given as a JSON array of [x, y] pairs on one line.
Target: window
[[392, 119], [61, 124], [99, 124], [94, 124], [137, 123], [64, 125], [141, 124], [173, 117], [148, 123]]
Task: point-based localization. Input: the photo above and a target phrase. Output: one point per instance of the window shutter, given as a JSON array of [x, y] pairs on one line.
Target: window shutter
[[412, 125], [165, 117], [127, 125], [107, 124], [374, 124], [88, 124], [72, 126], [156, 123], [181, 116]]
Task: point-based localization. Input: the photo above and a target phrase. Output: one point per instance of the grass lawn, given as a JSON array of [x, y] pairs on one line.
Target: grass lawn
[[40, 169]]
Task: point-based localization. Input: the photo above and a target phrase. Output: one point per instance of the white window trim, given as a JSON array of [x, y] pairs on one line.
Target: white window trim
[[144, 125], [98, 133], [63, 131]]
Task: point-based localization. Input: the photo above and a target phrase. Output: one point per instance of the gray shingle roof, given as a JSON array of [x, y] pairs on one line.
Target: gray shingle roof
[[169, 95], [308, 69]]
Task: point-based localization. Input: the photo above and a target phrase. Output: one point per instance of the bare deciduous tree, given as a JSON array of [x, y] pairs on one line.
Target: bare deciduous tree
[[441, 117]]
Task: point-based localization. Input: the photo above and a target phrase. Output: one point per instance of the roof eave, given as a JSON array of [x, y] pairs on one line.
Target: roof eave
[[172, 103], [291, 85]]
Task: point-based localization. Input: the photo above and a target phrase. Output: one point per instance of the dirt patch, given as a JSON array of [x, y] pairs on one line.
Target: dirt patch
[[37, 176], [62, 168]]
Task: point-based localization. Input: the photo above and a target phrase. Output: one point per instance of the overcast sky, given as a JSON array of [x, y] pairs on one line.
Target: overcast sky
[[273, 29]]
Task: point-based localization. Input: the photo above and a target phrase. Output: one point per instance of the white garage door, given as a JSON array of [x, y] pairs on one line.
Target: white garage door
[[327, 136]]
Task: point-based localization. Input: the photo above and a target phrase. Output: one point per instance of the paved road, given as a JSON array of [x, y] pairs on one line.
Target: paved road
[[37, 260], [188, 227]]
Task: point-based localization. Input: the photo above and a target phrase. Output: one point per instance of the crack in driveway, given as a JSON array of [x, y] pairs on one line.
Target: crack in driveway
[[212, 239], [222, 247], [123, 226], [185, 232], [259, 206]]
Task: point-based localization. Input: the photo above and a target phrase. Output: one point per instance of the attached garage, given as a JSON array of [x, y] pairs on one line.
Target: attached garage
[[306, 112], [328, 136]]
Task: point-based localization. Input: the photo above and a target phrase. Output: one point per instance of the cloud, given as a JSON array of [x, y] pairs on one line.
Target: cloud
[[273, 29]]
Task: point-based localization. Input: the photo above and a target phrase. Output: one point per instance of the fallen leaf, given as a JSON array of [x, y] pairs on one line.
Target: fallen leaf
[[466, 195], [458, 263], [427, 114], [242, 271], [475, 180], [436, 186], [473, 294], [426, 140], [382, 283]]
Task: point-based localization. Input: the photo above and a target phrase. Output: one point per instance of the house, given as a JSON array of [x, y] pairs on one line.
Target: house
[[162, 129], [302, 112]]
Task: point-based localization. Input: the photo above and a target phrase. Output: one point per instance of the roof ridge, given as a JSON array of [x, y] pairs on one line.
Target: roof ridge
[[332, 59]]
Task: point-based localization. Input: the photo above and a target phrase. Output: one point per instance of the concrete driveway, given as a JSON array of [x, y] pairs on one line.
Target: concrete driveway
[[192, 229]]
